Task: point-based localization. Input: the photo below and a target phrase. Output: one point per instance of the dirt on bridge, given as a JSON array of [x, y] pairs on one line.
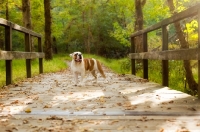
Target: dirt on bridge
[[51, 103]]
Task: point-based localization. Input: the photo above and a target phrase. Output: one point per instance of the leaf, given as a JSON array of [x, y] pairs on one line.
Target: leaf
[[120, 128], [162, 130], [15, 102], [54, 118], [192, 109], [115, 121], [28, 110], [25, 122], [47, 106]]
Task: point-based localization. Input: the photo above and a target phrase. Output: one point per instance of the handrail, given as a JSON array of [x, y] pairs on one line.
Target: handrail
[[8, 55], [165, 54]]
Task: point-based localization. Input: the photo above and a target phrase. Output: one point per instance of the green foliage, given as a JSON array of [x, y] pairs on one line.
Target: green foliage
[[113, 64], [19, 68], [177, 79], [104, 26], [155, 11]]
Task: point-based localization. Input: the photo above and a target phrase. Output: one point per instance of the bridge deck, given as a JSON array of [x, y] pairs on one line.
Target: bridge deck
[[50, 102]]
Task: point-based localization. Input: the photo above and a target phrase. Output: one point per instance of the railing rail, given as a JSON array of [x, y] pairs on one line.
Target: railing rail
[[8, 55], [165, 55]]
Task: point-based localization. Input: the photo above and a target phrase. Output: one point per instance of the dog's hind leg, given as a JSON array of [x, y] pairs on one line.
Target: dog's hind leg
[[95, 75], [100, 69]]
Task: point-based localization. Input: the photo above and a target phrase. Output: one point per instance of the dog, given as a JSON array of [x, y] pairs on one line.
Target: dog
[[80, 65]]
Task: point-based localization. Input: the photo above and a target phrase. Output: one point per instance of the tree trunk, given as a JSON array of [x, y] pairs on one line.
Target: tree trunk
[[26, 13], [47, 42], [7, 11], [184, 45], [139, 4]]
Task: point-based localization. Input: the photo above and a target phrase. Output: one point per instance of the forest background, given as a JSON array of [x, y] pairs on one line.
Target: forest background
[[103, 27]]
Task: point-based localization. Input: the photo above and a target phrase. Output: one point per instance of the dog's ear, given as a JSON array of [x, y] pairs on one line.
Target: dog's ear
[[71, 55]]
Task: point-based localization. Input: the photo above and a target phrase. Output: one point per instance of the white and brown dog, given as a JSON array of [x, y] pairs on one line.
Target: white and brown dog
[[79, 65]]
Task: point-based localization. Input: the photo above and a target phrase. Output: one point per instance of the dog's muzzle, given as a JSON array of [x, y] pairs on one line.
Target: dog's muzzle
[[78, 57]]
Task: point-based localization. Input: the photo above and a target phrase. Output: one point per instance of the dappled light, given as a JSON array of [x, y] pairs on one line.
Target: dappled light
[[155, 39], [51, 102]]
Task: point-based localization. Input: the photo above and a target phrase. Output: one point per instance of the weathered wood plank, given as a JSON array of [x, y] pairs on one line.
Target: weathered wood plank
[[18, 28], [10, 55], [179, 16], [181, 54]]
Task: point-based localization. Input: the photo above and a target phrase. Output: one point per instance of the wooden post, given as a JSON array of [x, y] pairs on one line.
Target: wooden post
[[40, 59], [8, 47], [198, 16], [145, 61], [165, 70], [28, 49], [133, 71]]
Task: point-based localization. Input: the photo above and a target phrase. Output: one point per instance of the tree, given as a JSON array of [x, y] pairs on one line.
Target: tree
[[26, 13], [47, 42], [184, 45], [139, 22]]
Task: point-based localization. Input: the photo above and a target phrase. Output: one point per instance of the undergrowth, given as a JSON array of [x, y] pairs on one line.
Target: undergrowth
[[177, 79]]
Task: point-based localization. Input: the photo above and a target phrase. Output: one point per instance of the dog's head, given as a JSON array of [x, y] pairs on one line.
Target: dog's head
[[77, 56]]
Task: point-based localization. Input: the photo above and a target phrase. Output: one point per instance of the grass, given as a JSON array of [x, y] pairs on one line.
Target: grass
[[176, 74], [113, 64], [176, 71], [19, 68], [57, 64]]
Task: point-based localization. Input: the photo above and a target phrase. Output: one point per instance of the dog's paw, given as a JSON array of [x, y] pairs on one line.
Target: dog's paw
[[82, 84], [106, 81]]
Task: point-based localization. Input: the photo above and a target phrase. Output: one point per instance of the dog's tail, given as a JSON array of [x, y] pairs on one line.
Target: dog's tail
[[100, 69]]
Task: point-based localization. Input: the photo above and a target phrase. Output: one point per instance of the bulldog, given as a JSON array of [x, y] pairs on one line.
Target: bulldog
[[80, 65]]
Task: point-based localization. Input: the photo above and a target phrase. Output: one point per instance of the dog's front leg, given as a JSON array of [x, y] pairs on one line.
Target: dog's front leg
[[76, 78], [82, 78]]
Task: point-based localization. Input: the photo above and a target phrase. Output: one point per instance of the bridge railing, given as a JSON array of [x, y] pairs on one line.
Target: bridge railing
[[165, 55], [8, 55]]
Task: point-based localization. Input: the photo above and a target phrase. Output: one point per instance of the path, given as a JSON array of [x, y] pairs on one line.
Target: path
[[50, 103]]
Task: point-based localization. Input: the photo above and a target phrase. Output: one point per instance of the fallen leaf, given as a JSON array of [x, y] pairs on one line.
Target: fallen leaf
[[120, 128], [25, 122], [28, 110], [192, 109], [54, 118], [47, 106], [15, 102], [162, 130], [119, 104]]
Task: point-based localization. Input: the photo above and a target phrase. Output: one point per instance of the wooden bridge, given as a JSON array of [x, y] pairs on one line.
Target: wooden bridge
[[49, 102]]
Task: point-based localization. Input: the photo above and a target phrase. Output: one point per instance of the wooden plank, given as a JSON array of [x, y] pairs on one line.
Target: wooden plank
[[177, 17], [180, 54], [11, 55], [4, 22]]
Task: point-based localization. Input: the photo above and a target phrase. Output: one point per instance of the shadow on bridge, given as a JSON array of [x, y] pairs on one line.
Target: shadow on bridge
[[49, 102]]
